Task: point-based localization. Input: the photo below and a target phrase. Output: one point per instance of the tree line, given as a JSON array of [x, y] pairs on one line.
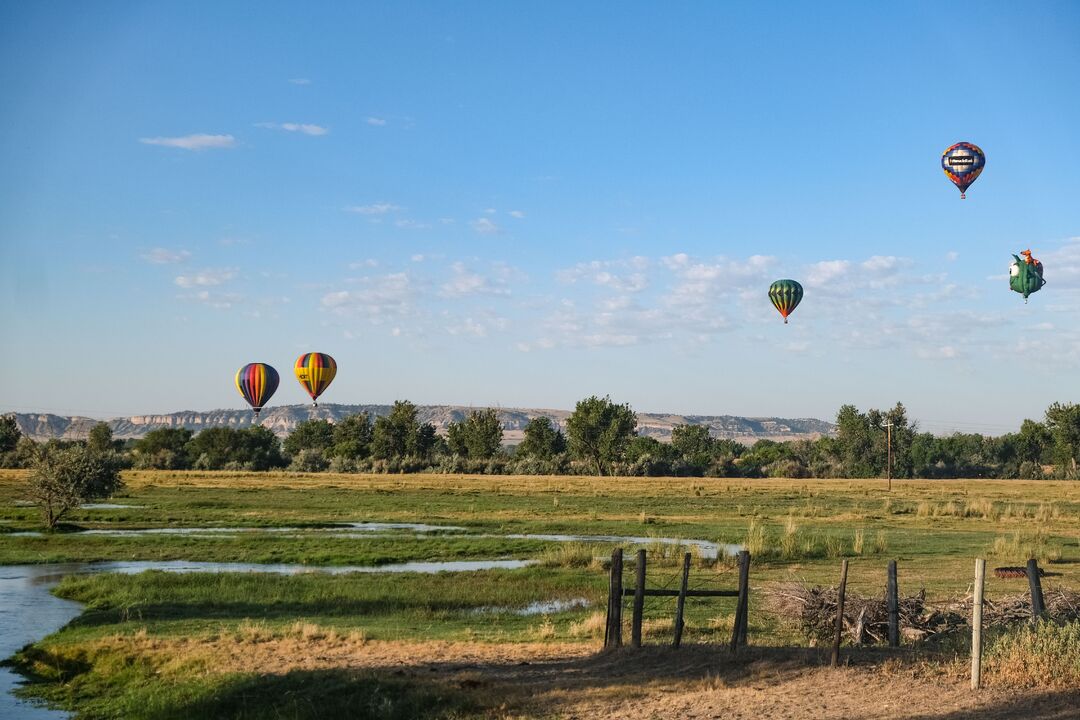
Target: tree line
[[600, 437]]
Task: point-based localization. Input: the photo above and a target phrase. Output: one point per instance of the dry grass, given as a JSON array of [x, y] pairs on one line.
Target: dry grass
[[1047, 655]]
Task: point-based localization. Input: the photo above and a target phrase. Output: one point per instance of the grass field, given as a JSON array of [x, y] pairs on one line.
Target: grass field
[[182, 639]]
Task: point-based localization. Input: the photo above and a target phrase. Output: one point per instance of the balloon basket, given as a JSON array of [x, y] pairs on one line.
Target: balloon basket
[[963, 196]]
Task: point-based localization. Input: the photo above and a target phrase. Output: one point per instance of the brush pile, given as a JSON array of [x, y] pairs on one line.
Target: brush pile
[[866, 620]]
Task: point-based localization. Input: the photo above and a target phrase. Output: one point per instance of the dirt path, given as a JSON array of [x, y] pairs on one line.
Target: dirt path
[[573, 681]]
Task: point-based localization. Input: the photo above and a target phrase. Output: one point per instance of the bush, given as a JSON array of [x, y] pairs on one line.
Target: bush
[[65, 477], [1047, 655], [309, 460]]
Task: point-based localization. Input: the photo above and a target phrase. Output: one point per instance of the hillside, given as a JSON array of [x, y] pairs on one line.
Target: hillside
[[283, 419]]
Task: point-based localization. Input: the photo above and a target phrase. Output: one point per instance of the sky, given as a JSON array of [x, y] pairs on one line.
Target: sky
[[524, 204]]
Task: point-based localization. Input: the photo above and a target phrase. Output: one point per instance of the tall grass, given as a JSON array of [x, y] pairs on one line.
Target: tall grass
[[1046, 655]]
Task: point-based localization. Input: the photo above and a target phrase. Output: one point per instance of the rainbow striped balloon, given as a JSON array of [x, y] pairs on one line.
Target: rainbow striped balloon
[[257, 383], [315, 371]]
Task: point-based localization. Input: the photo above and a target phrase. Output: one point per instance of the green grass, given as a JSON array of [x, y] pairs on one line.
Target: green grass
[[797, 530]]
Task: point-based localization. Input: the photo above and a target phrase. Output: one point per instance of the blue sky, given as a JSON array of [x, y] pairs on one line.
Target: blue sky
[[527, 203]]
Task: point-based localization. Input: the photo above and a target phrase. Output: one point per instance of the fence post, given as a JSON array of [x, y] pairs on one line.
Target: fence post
[[744, 594], [681, 602], [738, 630], [639, 600], [893, 593], [839, 615], [613, 631], [1038, 607], [976, 624]]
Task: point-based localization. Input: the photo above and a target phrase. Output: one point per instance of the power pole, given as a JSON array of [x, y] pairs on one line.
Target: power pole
[[888, 463]]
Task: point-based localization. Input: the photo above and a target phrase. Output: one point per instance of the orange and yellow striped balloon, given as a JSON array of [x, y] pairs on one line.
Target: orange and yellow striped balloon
[[315, 371]]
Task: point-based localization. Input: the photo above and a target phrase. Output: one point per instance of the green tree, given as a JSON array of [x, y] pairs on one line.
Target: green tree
[[254, 448], [62, 478], [854, 443], [163, 449], [352, 437], [309, 435], [543, 439], [599, 430], [400, 434], [478, 436], [1063, 422], [694, 446], [9, 433], [100, 438]]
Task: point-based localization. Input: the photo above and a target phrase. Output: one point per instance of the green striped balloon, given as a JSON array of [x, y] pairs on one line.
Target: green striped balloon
[[786, 296]]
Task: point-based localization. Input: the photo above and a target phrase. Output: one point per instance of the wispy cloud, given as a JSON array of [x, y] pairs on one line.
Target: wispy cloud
[[377, 208], [198, 141], [303, 128], [408, 224], [378, 299], [207, 277], [300, 81], [164, 256], [465, 282], [220, 301], [516, 214], [622, 275], [375, 121], [485, 226]]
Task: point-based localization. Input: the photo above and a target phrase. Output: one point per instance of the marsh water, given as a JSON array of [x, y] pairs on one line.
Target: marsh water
[[29, 611]]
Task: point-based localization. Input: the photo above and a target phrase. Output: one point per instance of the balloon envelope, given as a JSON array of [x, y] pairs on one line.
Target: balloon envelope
[[962, 163], [257, 383], [315, 371], [785, 296]]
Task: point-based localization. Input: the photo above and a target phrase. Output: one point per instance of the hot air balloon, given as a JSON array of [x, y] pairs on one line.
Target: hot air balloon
[[1026, 276], [257, 383], [786, 296], [315, 371], [962, 163]]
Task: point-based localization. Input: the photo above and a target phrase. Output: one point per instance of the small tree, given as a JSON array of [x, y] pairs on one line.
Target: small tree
[[599, 431], [543, 439], [1063, 422], [352, 437], [479, 435], [9, 433], [309, 435], [100, 438], [163, 449], [63, 478]]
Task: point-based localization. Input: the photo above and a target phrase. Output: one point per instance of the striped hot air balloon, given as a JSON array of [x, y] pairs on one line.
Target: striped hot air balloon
[[962, 163], [315, 371], [257, 383], [786, 296]]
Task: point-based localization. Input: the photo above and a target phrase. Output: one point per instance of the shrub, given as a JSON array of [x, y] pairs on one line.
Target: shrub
[[1047, 655], [309, 460]]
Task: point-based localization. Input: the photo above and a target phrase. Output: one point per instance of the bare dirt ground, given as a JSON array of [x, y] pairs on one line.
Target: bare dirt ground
[[573, 681]]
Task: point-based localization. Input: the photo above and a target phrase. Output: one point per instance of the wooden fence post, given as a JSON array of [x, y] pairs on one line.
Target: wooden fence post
[[839, 615], [976, 624], [893, 593], [1038, 607], [639, 600], [738, 630], [613, 630], [681, 602], [744, 594]]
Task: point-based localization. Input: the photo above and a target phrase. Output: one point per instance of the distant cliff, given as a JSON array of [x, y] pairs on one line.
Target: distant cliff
[[281, 420]]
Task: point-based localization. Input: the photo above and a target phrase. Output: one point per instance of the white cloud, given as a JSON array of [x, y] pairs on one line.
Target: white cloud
[[220, 301], [465, 283], [164, 256], [368, 263], [619, 275], [192, 142], [299, 81], [485, 226], [517, 214], [417, 257], [822, 273], [304, 128], [1062, 265], [952, 256], [204, 278], [490, 211], [412, 224], [377, 298], [375, 121], [378, 208]]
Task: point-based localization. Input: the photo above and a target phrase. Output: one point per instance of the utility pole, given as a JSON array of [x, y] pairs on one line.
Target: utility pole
[[888, 463]]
